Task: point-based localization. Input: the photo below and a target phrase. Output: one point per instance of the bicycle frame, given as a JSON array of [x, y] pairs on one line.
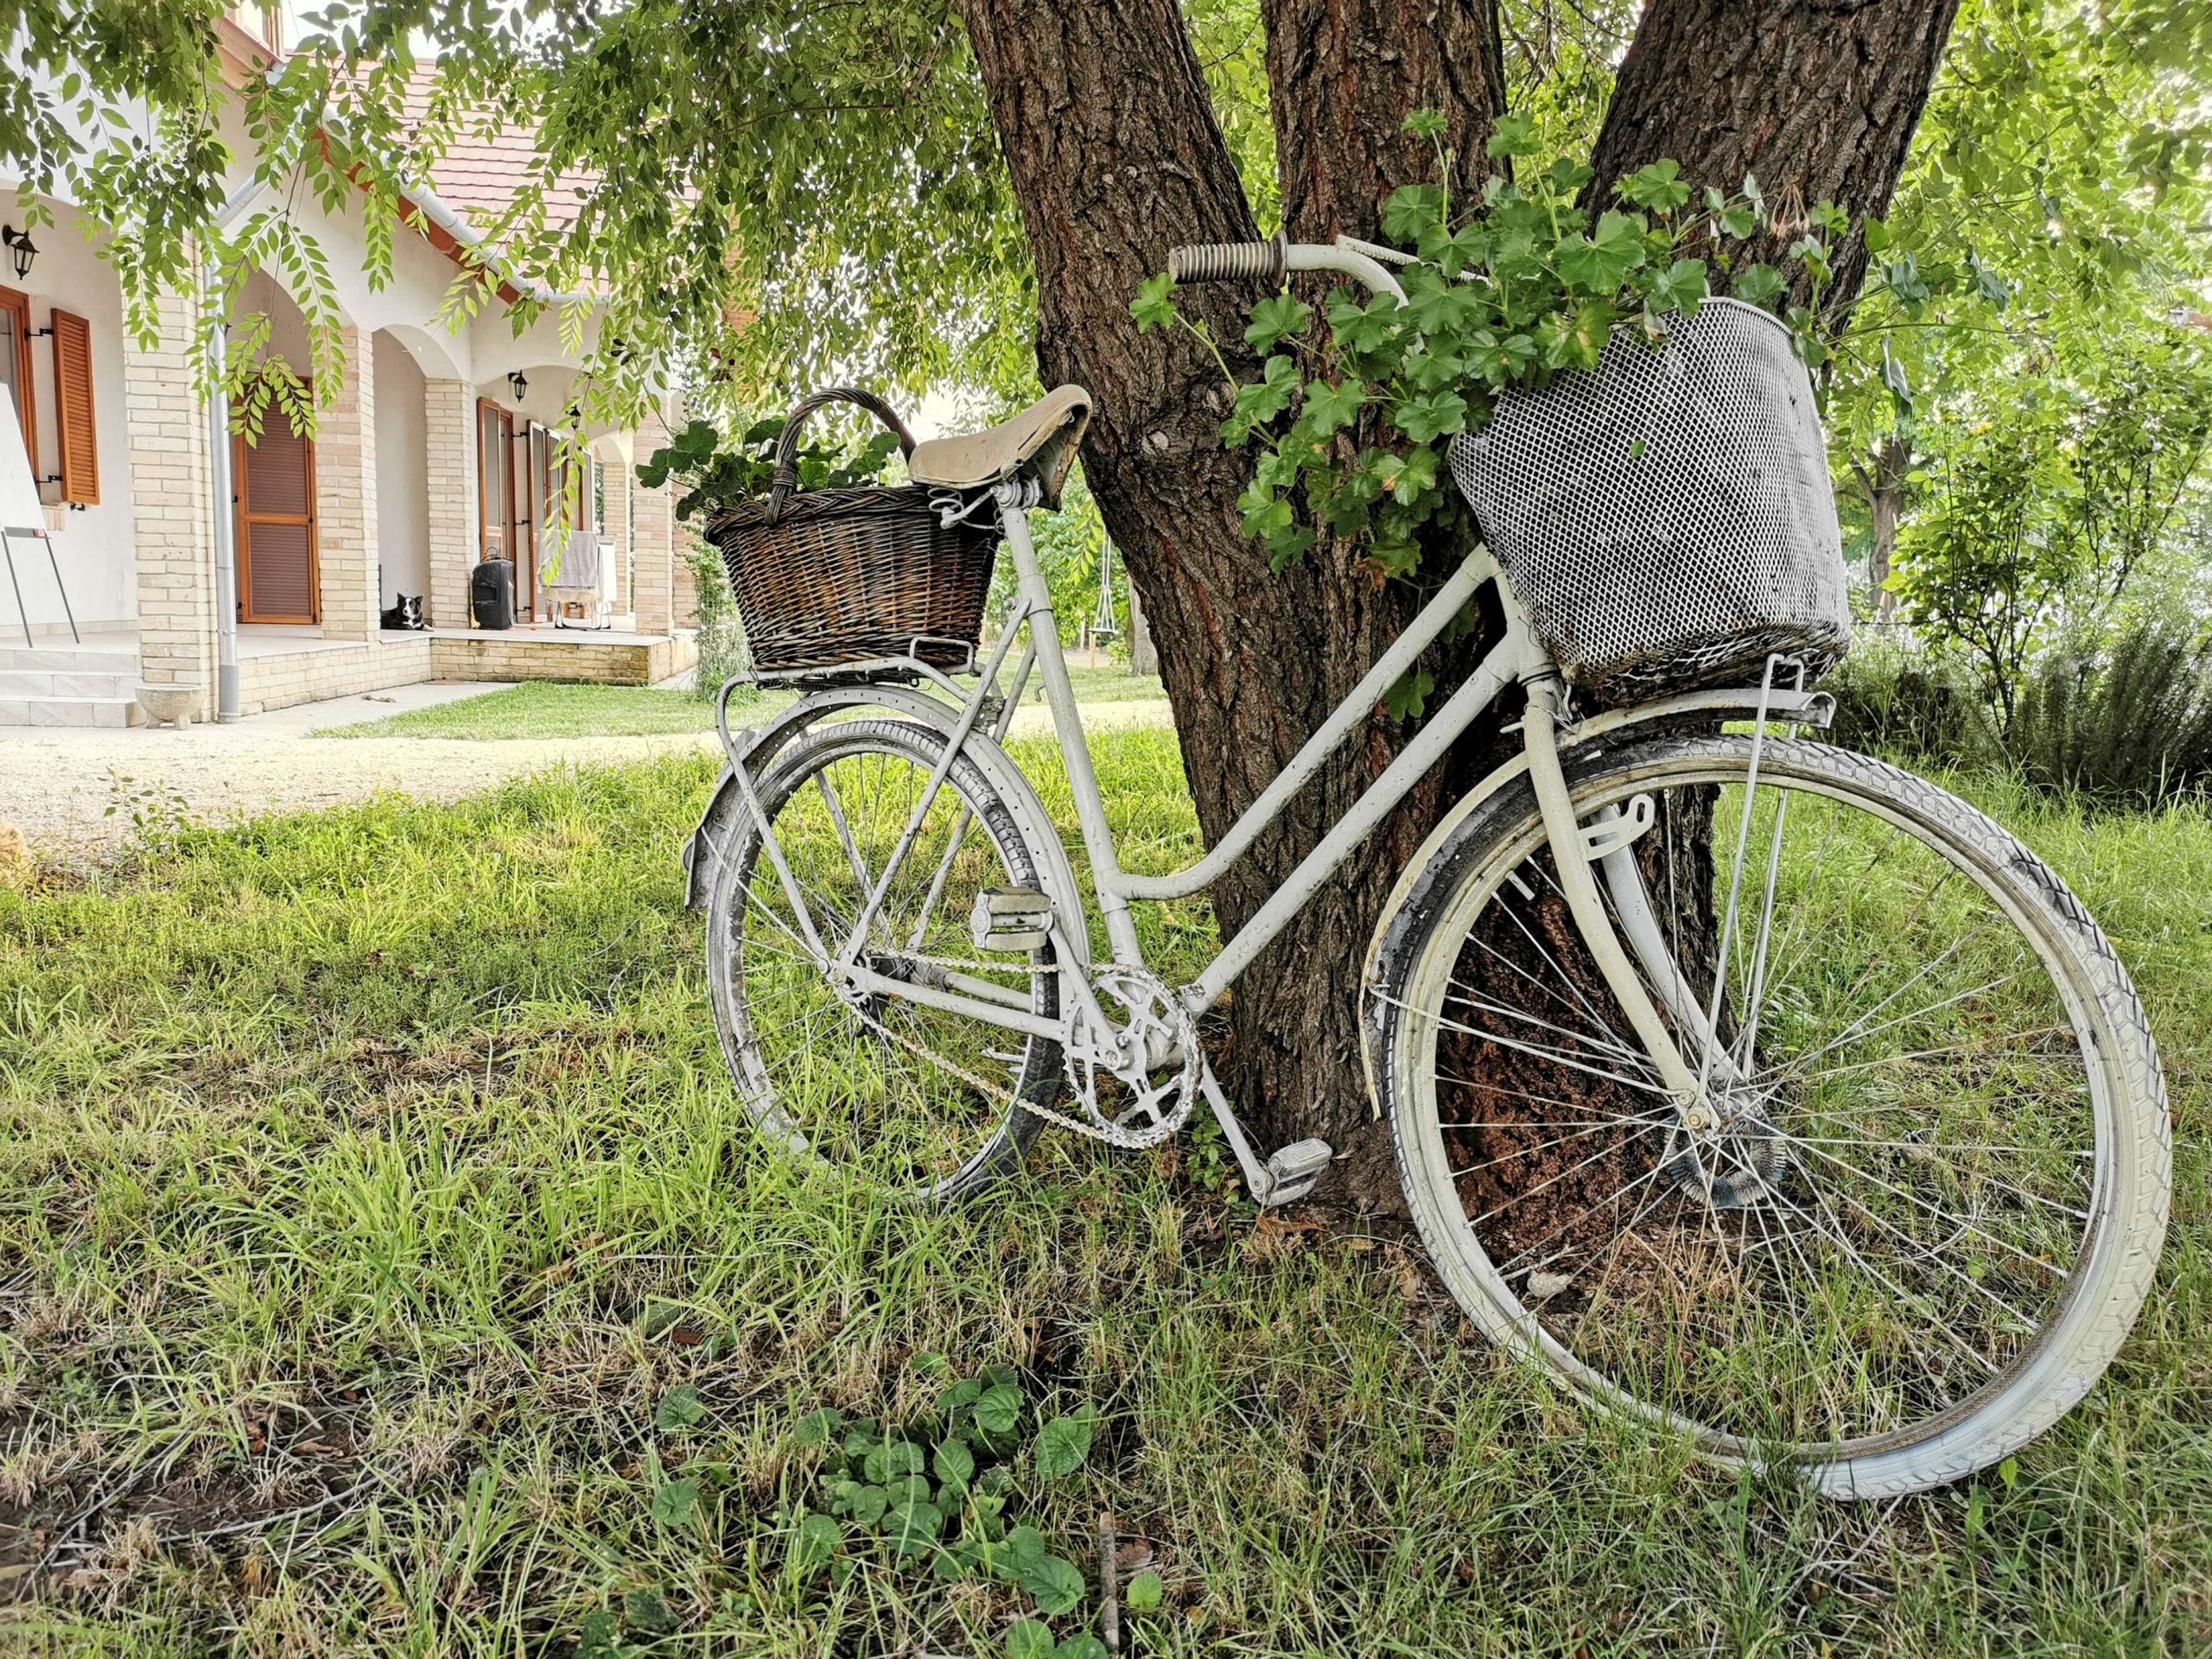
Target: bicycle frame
[[1518, 656]]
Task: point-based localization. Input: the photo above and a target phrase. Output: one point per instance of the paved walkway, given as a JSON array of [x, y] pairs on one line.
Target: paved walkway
[[56, 783]]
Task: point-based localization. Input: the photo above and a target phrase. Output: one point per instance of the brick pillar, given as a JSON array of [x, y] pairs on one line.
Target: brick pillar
[[345, 497], [172, 506], [615, 478], [449, 422], [685, 585], [655, 538]]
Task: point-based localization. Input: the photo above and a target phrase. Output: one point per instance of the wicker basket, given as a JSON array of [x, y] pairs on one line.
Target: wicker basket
[[825, 577]]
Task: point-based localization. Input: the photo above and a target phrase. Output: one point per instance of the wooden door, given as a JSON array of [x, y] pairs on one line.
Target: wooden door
[[15, 367], [495, 481], [274, 485]]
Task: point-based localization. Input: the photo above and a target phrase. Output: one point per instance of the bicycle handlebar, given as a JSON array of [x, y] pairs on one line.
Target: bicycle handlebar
[[1228, 262], [1270, 261]]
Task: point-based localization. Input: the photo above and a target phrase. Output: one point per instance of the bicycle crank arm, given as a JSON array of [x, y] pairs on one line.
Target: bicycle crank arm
[[1289, 1172]]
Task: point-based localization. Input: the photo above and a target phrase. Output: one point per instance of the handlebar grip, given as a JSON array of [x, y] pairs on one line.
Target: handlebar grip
[[1229, 262]]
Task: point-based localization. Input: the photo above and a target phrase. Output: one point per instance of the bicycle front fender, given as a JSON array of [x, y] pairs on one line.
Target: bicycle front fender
[[1803, 708], [758, 747]]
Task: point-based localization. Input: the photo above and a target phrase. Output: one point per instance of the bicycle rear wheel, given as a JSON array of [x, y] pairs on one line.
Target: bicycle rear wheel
[[1930, 1195], [918, 1102]]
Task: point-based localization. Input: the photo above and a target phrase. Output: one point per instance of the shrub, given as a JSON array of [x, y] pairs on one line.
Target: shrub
[[2123, 722], [1915, 704]]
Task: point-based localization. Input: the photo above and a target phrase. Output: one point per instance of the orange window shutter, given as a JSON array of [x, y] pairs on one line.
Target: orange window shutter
[[72, 410]]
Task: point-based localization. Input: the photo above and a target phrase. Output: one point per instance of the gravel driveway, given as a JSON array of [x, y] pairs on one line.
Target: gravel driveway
[[57, 784]]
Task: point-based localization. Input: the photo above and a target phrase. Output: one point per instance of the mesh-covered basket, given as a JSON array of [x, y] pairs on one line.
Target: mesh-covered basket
[[1666, 518], [825, 577]]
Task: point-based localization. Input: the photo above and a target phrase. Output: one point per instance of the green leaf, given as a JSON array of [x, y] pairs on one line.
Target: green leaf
[[1144, 1592], [597, 1637], [1678, 288], [1054, 1584], [997, 1408], [1154, 303], [1064, 1443], [1275, 319], [1425, 124], [1257, 402], [1659, 187], [819, 1538], [1431, 415], [869, 1503], [1760, 284], [1906, 284], [681, 1407], [1994, 289], [1411, 209], [675, 1500], [1024, 1545], [648, 1610], [1514, 135], [914, 1527], [1081, 1647], [954, 1463], [962, 1393], [1879, 237], [1600, 262], [1028, 1638], [1408, 698], [1331, 408]]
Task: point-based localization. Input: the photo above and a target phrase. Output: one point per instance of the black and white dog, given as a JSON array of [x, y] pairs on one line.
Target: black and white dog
[[407, 614]]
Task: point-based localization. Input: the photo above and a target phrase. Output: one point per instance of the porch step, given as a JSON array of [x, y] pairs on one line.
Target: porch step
[[64, 682], [70, 659], [114, 713]]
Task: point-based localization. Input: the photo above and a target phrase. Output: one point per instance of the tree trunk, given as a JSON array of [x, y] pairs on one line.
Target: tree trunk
[[1115, 156], [1346, 73], [1818, 101]]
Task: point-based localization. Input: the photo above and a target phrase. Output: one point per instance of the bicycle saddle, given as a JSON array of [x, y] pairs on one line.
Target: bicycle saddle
[[1040, 440]]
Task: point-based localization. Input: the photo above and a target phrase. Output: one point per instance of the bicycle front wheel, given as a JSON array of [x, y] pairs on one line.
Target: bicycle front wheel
[[1924, 1195], [918, 1102]]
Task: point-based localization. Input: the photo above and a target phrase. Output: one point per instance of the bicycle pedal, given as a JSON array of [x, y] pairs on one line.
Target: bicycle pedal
[[1012, 920], [1293, 1170]]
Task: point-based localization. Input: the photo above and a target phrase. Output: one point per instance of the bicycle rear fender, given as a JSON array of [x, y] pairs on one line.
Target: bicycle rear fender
[[1803, 708], [758, 747]]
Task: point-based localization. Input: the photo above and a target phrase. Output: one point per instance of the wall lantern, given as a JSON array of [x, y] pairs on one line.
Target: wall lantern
[[517, 386], [20, 247]]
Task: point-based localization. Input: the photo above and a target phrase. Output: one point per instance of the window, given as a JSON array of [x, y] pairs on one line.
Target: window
[[15, 367], [74, 429]]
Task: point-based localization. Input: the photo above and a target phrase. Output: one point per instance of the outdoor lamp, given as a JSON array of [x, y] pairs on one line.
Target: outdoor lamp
[[19, 244], [518, 385]]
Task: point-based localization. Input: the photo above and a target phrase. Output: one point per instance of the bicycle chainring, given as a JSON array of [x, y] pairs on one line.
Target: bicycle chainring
[[1136, 1081]]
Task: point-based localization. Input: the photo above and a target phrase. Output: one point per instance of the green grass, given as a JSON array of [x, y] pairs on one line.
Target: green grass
[[542, 708], [369, 1178]]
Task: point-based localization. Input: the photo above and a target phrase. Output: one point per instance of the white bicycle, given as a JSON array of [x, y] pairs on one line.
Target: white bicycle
[[1746, 1086]]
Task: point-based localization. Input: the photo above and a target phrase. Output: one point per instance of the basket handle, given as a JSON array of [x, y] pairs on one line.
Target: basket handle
[[784, 480]]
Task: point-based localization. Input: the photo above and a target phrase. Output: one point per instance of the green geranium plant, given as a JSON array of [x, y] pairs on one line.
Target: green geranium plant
[[1508, 290], [717, 472]]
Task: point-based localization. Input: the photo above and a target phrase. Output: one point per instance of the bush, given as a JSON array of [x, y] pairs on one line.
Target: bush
[[2127, 721], [1913, 704]]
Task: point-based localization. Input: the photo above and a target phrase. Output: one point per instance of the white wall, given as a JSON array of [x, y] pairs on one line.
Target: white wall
[[93, 544], [402, 478]]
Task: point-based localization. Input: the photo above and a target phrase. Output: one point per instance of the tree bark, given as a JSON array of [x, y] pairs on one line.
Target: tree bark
[[1344, 76], [1818, 101]]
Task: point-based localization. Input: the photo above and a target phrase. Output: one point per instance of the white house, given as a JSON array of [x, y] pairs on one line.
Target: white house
[[257, 572]]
